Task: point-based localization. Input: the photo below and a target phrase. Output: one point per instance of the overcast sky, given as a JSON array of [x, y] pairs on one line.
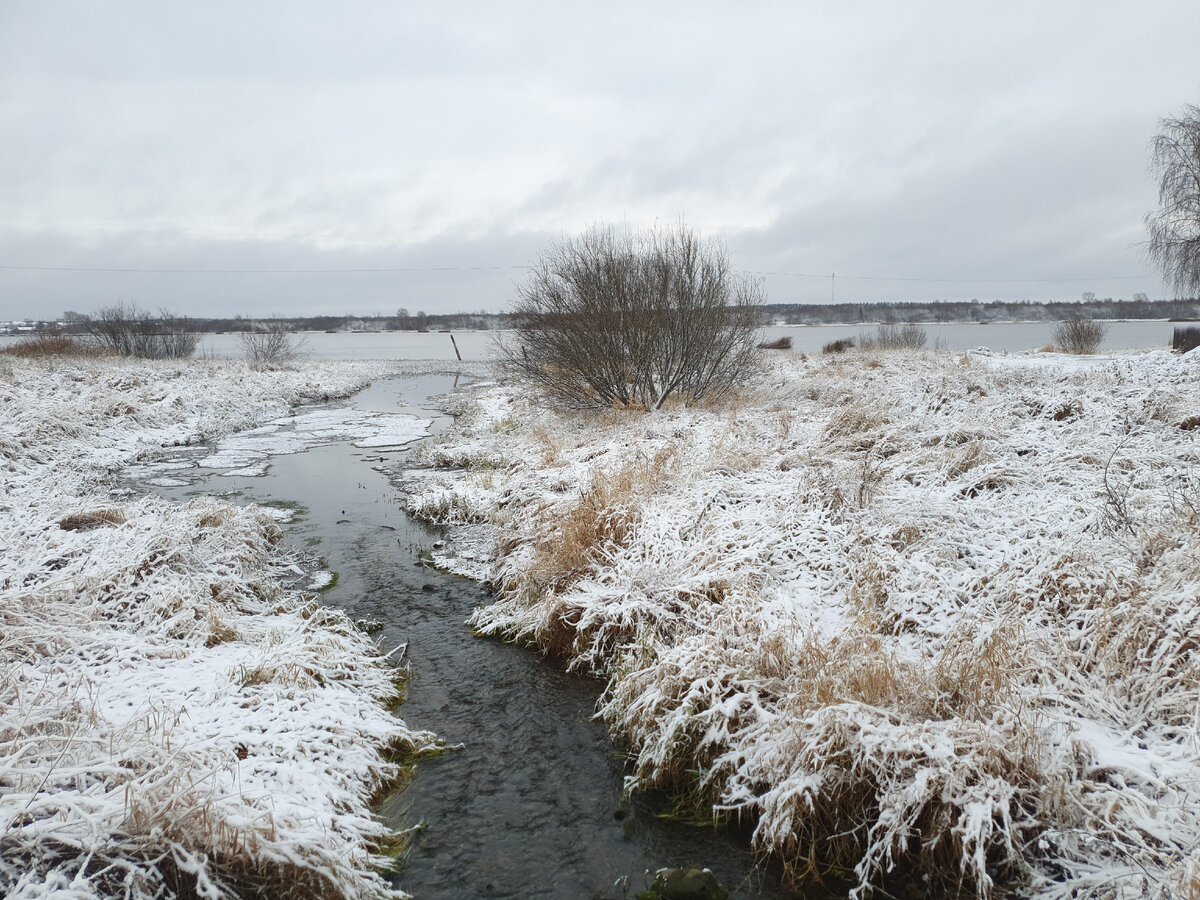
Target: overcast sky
[[920, 150]]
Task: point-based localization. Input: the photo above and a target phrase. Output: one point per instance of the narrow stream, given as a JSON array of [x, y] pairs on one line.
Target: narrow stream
[[530, 805]]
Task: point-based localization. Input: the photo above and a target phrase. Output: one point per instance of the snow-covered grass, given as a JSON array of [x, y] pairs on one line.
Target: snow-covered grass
[[172, 718], [911, 614]]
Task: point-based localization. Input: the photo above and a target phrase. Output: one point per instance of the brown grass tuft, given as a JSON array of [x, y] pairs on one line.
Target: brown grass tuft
[[965, 458], [604, 518], [855, 422], [95, 519], [219, 630], [979, 668], [213, 518], [1066, 411], [572, 543], [50, 345], [549, 444]]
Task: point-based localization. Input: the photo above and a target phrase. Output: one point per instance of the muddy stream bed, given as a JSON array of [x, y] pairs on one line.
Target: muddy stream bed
[[528, 802]]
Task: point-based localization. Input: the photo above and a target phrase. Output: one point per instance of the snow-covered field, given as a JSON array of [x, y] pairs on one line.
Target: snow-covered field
[[172, 716], [915, 615]]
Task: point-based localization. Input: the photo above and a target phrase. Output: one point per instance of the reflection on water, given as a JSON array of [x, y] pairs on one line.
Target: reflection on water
[[530, 805]]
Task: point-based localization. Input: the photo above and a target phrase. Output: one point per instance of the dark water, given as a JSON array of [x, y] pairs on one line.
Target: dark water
[[531, 804]]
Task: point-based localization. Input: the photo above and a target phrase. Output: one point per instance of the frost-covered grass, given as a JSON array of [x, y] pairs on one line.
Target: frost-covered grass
[[909, 614], [172, 719]]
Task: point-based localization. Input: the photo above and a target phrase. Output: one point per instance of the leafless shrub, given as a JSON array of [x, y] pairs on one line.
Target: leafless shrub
[[838, 346], [128, 330], [44, 345], [894, 337], [1175, 226], [1185, 339], [870, 474], [1117, 515], [271, 345], [613, 319], [1079, 335]]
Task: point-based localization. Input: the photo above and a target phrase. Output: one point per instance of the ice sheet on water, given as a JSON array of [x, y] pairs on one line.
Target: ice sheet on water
[[395, 431], [245, 452], [165, 482]]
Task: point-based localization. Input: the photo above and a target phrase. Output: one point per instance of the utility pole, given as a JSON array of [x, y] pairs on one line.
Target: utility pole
[[833, 287]]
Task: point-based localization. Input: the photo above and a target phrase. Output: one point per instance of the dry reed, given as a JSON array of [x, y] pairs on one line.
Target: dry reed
[[888, 621]]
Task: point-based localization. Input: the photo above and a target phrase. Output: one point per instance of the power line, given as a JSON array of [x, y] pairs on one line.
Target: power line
[[828, 276], [256, 271]]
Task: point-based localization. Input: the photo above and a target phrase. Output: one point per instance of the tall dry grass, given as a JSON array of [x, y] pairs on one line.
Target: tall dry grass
[[586, 534], [175, 610], [51, 345], [884, 616], [173, 720]]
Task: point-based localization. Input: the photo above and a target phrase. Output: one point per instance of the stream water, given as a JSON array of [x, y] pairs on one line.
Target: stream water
[[530, 804]]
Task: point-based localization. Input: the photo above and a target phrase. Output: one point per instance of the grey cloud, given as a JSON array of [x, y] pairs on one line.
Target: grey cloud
[[921, 140], [430, 276]]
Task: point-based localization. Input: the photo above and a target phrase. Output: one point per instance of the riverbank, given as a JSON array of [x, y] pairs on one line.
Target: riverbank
[[175, 715], [926, 615]]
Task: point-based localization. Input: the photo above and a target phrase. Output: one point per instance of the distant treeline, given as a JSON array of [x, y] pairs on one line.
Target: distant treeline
[[773, 313], [479, 321], [975, 311], [786, 313], [76, 323]]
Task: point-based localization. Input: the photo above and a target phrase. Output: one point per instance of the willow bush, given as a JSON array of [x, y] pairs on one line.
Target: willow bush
[[1079, 335], [128, 330], [617, 319]]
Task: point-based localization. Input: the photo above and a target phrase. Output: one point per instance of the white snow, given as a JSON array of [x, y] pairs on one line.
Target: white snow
[[933, 607], [165, 704], [319, 580]]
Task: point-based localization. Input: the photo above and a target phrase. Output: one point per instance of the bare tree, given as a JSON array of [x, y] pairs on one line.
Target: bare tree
[[1079, 335], [1175, 226], [271, 345], [617, 319], [128, 330]]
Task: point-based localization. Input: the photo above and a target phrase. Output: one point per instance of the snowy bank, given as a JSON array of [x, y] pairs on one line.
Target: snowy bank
[[172, 718], [912, 615]]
